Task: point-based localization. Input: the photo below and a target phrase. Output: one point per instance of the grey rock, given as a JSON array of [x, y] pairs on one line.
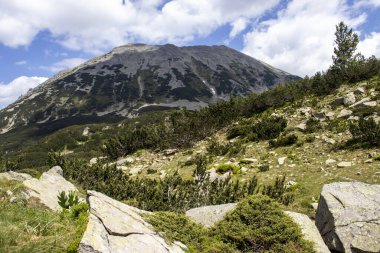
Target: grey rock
[[353, 118], [305, 111], [281, 160], [47, 187], [330, 161], [370, 103], [209, 215], [348, 217], [301, 126], [349, 99], [14, 176], [360, 102], [86, 131], [116, 227], [344, 113], [330, 115], [319, 116], [344, 164], [169, 152], [338, 101], [309, 231], [359, 91]]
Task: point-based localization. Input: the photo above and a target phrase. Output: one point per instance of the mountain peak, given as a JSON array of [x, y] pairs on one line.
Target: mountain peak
[[136, 78]]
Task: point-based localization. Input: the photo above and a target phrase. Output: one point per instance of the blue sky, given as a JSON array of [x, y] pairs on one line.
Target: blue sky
[[38, 38]]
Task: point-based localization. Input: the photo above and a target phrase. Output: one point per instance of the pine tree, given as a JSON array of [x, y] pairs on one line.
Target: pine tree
[[346, 41]]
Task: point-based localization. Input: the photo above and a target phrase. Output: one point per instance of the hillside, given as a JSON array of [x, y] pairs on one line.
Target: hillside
[[287, 149], [139, 78]]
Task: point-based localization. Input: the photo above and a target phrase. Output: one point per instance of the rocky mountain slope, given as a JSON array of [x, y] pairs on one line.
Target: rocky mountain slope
[[137, 78]]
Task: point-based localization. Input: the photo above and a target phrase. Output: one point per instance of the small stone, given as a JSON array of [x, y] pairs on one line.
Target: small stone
[[330, 115], [338, 101], [12, 199], [359, 91], [290, 183], [244, 169], [328, 140], [9, 193], [369, 161], [330, 161], [349, 99], [86, 131], [169, 152], [301, 126], [344, 164], [358, 173], [370, 103], [319, 116], [344, 113], [359, 102], [281, 160], [372, 154], [353, 118]]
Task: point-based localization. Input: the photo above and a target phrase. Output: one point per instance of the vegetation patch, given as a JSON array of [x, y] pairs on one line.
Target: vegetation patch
[[223, 168], [286, 140], [26, 228], [258, 224]]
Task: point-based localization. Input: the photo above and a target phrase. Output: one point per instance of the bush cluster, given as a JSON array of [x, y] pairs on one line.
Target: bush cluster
[[231, 148], [365, 133], [167, 194], [257, 224], [264, 129], [282, 141]]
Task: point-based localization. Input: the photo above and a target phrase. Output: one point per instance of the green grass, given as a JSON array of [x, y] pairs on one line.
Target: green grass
[[35, 229], [223, 168]]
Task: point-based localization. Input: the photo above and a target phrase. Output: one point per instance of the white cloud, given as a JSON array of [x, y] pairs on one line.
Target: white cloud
[[371, 3], [22, 62], [370, 45], [237, 27], [95, 25], [63, 64], [301, 39], [19, 86]]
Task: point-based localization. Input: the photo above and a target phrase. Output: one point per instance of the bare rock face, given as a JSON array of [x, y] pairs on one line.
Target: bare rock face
[[117, 227], [209, 215], [348, 217], [310, 231], [47, 188]]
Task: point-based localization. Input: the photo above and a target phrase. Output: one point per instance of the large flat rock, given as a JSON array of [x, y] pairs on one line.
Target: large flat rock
[[309, 231], [348, 217], [116, 227], [209, 215], [47, 187], [14, 176]]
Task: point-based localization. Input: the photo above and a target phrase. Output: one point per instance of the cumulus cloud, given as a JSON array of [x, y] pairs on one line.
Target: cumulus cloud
[[95, 25], [370, 45], [63, 64], [300, 39], [19, 86]]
